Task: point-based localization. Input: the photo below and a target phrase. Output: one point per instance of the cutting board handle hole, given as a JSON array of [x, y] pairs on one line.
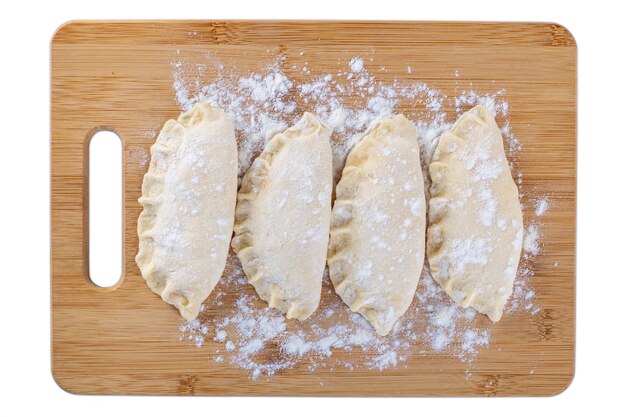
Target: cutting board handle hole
[[105, 208]]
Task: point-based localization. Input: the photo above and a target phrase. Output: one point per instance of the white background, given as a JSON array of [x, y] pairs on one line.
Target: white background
[[25, 379]]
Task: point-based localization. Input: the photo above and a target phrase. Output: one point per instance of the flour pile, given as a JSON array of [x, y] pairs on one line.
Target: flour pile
[[348, 101]]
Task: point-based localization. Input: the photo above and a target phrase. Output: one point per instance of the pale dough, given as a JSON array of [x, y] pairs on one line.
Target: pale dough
[[376, 250], [475, 219], [282, 219], [188, 198]]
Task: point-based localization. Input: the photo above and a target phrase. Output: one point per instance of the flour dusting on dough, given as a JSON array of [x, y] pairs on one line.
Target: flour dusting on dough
[[239, 330]]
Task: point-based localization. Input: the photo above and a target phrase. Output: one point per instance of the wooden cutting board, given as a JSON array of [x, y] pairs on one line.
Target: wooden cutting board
[[118, 76]]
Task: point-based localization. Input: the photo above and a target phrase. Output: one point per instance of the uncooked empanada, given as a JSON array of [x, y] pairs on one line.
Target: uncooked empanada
[[188, 199], [475, 232], [283, 218], [376, 250]]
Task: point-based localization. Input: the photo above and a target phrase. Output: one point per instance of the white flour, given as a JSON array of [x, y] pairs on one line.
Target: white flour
[[531, 240], [349, 102], [541, 206]]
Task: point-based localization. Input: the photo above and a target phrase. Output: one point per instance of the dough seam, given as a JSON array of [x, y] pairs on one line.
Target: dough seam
[[159, 264], [439, 210], [243, 242], [378, 306]]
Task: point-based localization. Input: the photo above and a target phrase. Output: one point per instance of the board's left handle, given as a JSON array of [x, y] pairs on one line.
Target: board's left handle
[[104, 197]]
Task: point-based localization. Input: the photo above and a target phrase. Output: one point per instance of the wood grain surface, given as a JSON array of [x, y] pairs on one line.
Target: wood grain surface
[[118, 76]]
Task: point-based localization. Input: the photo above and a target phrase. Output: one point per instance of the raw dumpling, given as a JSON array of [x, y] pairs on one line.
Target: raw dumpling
[[475, 232], [282, 219], [376, 250], [188, 199]]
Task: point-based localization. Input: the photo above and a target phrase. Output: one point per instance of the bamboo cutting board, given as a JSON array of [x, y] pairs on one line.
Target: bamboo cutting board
[[118, 76]]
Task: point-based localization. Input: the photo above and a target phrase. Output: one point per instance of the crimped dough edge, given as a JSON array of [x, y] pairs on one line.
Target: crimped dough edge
[[243, 243], [481, 115], [167, 143], [340, 227]]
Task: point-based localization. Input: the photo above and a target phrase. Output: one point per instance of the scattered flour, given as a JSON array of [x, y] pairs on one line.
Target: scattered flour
[[531, 240], [356, 64], [193, 331], [251, 336], [541, 206]]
